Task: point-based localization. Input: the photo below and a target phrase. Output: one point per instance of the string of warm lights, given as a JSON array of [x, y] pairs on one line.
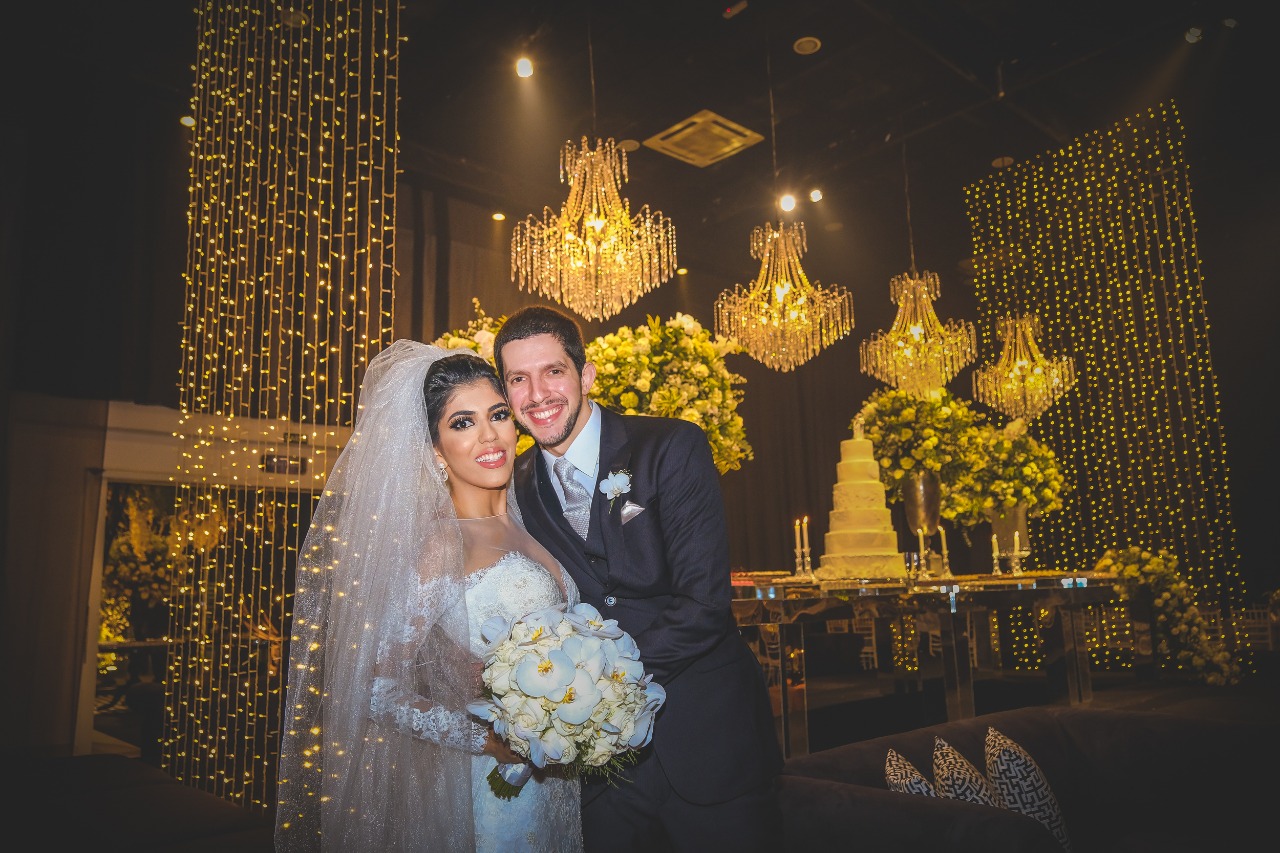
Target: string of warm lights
[[1100, 238], [289, 293]]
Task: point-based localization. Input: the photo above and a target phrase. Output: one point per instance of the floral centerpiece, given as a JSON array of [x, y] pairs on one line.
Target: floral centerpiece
[[1184, 639], [1006, 467], [565, 687], [674, 369], [907, 433]]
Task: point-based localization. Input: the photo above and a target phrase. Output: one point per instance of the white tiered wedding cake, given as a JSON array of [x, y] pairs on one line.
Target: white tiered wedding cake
[[861, 543]]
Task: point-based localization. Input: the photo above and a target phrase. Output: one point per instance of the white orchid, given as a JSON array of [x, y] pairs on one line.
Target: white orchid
[[566, 687], [616, 484]]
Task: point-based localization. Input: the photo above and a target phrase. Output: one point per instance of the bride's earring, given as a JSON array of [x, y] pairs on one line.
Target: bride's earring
[[444, 470]]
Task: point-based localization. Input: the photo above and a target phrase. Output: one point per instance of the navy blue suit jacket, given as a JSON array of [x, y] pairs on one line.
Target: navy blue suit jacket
[[666, 570]]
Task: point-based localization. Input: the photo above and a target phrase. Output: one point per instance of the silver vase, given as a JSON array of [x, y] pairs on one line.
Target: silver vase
[[1005, 525], [922, 499]]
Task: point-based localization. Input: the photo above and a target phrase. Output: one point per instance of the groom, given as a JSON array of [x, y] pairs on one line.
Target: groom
[[653, 554]]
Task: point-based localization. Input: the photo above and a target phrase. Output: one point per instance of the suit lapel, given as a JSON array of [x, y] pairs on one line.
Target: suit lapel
[[615, 455]]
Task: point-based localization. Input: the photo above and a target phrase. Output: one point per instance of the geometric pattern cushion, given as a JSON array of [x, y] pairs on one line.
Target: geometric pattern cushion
[[956, 777], [1022, 786], [902, 776]]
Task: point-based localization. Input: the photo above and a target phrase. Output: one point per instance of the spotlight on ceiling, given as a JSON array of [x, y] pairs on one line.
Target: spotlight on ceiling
[[1194, 35], [187, 121], [1002, 161], [807, 45], [787, 202], [499, 216], [524, 66]]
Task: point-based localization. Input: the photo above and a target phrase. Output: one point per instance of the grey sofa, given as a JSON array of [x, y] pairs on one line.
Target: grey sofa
[[1124, 781]]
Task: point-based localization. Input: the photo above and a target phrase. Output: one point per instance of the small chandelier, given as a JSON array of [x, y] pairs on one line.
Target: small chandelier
[[1023, 383], [782, 320], [919, 353], [593, 257]]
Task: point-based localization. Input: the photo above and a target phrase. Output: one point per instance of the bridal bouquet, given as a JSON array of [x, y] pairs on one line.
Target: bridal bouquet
[[565, 686]]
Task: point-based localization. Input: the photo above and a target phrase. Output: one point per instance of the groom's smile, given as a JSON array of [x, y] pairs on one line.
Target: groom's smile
[[546, 391]]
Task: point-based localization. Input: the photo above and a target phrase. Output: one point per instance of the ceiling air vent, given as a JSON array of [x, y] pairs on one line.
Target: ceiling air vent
[[703, 138]]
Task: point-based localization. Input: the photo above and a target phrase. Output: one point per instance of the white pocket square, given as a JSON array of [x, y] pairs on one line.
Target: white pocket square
[[630, 510]]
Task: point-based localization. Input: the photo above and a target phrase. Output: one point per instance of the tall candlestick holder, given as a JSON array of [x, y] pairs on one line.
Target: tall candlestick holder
[[804, 569]]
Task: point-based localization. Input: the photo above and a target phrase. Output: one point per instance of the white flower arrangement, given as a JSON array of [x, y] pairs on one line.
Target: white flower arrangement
[[566, 687], [674, 369], [617, 484]]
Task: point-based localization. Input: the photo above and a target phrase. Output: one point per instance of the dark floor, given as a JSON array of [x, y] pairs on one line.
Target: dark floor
[[844, 711]]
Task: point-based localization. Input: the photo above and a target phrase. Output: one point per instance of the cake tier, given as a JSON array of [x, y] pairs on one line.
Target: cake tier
[[860, 567], [861, 542], [869, 518], [857, 450], [859, 470], [853, 496]]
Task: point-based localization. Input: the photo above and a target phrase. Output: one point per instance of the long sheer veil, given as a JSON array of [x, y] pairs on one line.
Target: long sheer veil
[[379, 594]]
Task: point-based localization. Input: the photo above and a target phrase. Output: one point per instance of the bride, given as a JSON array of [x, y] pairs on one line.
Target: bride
[[410, 550]]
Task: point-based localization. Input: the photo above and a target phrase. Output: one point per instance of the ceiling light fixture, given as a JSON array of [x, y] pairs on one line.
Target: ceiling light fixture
[[593, 257], [524, 67], [781, 320], [919, 353], [1023, 382]]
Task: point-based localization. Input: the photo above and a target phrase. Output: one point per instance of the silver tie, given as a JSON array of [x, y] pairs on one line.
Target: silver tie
[[577, 500]]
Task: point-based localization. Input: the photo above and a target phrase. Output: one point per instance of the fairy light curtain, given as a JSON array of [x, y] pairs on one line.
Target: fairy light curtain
[[1099, 239], [288, 295]]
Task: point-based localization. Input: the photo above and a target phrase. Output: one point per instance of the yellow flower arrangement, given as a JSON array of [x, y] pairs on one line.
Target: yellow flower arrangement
[[1184, 640], [674, 369], [1006, 467], [909, 432]]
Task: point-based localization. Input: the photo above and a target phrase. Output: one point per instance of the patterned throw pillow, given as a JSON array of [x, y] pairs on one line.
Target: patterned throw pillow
[[957, 778], [902, 776], [1022, 786]]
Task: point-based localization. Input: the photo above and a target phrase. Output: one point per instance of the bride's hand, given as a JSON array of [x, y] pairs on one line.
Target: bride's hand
[[498, 748]]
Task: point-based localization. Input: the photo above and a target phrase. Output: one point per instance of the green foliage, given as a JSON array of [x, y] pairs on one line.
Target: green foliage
[[1184, 640]]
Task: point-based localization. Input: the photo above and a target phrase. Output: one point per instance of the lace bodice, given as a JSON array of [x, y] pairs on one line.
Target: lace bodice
[[511, 587]]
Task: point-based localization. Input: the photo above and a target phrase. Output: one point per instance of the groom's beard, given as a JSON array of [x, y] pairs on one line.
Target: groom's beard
[[561, 436]]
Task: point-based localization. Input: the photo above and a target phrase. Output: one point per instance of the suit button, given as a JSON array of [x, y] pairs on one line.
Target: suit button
[[610, 600]]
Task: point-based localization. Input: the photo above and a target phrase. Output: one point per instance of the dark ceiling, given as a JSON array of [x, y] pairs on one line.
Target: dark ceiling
[[960, 82]]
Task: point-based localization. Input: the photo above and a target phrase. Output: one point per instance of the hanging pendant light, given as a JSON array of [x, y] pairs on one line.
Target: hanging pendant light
[[919, 353], [780, 319], [594, 257], [1023, 383]]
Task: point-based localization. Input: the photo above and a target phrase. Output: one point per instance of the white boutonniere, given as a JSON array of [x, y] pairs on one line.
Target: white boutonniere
[[615, 485]]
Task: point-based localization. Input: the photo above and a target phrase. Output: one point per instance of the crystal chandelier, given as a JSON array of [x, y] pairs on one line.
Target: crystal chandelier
[[782, 320], [1023, 383], [594, 257], [919, 353]]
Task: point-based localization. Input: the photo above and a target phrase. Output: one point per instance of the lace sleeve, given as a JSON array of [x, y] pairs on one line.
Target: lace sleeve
[[396, 700], [409, 713]]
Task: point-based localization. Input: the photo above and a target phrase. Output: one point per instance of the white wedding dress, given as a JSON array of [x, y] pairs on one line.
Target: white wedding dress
[[515, 576]]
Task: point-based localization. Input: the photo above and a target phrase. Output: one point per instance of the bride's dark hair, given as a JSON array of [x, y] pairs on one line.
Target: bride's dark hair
[[445, 376]]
